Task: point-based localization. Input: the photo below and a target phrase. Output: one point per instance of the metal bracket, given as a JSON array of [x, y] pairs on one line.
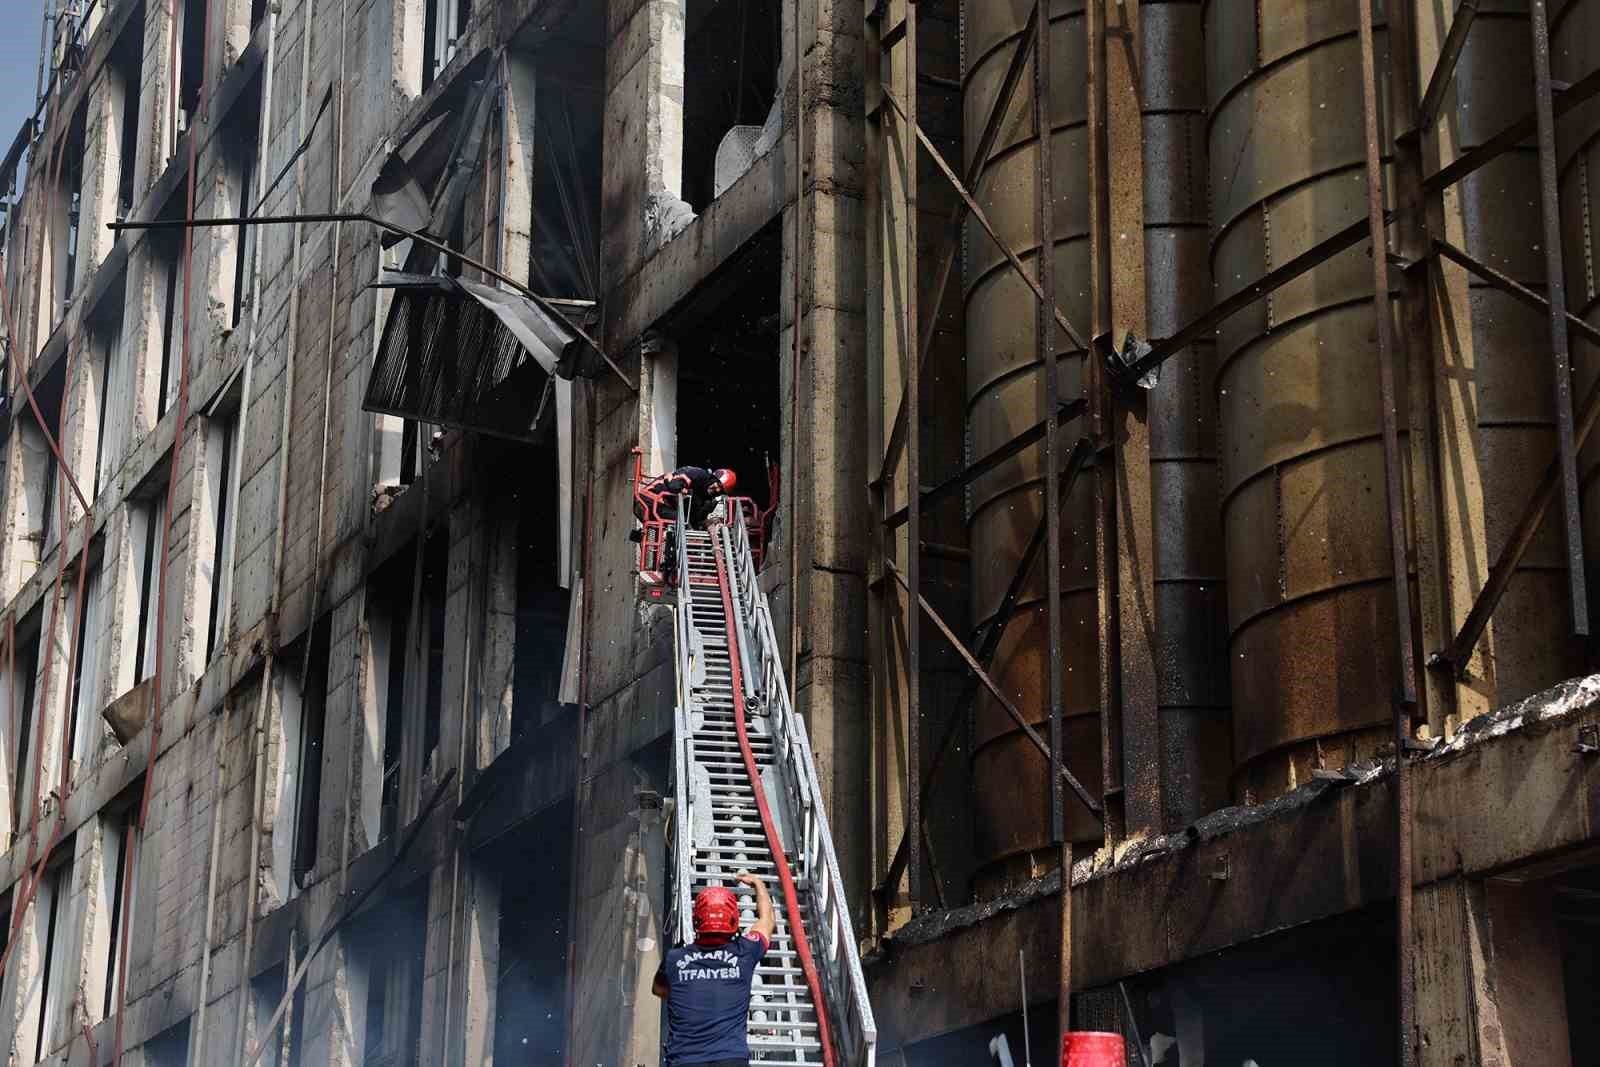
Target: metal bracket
[[1588, 740], [1120, 362]]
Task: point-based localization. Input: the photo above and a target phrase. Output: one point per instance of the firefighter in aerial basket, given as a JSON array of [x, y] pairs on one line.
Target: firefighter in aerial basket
[[657, 502], [705, 489], [707, 984]]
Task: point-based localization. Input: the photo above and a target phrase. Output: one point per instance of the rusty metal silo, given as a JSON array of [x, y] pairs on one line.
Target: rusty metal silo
[[1310, 597], [1302, 462], [1004, 391]]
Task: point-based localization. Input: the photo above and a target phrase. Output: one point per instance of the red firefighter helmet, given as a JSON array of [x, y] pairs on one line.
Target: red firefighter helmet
[[727, 478], [716, 912]]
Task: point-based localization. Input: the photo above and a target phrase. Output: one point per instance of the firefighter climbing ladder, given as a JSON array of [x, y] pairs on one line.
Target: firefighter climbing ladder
[[748, 800]]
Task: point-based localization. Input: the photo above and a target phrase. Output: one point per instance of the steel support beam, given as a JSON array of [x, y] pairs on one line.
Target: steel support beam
[[1512, 135], [1406, 695], [1510, 285], [983, 220], [994, 690], [909, 133], [1045, 342], [1016, 446], [1556, 288], [1459, 651], [1444, 70], [992, 630]]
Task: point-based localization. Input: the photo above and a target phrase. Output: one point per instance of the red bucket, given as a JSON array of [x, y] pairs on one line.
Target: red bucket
[[1087, 1048]]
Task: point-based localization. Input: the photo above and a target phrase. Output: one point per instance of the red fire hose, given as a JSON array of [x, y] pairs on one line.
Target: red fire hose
[[791, 904]]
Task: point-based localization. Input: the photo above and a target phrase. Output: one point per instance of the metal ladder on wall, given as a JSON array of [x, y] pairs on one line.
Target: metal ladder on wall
[[718, 828]]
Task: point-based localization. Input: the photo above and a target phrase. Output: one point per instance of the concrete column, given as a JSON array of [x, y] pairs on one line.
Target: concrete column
[[344, 744], [829, 460], [19, 552], [102, 169], [644, 874], [497, 658], [644, 129], [658, 403], [1488, 977], [619, 928], [516, 229]]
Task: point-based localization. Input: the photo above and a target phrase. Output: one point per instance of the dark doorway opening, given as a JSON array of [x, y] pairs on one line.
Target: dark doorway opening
[[542, 605], [1577, 914], [535, 868], [730, 408], [1320, 995]]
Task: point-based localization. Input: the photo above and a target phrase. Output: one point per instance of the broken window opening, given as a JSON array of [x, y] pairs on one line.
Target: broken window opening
[[108, 384], [242, 146], [312, 720], [150, 523], [567, 160], [444, 24], [1576, 909], [388, 623], [126, 68], [535, 869], [41, 485], [729, 403], [294, 1027], [191, 31], [53, 904], [221, 501], [266, 992], [16, 703], [732, 52], [391, 951], [435, 586], [70, 223], [118, 879], [397, 442], [166, 249], [543, 606], [84, 726], [39, 488], [170, 1048]]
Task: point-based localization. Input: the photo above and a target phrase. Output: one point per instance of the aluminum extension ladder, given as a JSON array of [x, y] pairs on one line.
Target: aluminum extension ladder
[[783, 1019]]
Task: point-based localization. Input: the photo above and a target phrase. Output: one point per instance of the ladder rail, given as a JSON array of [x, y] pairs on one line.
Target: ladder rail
[[740, 631], [683, 643], [819, 864], [797, 924]]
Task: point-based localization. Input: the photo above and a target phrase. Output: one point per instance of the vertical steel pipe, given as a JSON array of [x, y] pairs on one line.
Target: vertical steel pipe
[[1555, 280], [911, 159]]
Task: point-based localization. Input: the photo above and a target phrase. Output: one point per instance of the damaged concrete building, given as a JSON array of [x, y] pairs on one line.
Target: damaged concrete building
[[1225, 558]]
